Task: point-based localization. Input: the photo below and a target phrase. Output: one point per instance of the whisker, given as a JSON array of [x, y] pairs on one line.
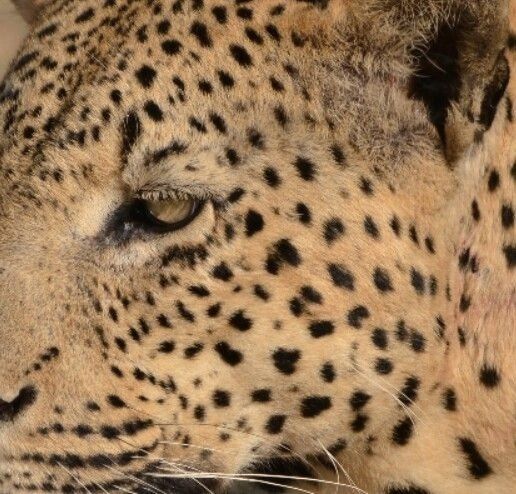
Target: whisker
[[411, 414], [256, 476], [341, 467], [255, 481], [73, 477]]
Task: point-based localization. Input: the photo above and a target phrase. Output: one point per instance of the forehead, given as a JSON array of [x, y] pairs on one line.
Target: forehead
[[128, 80]]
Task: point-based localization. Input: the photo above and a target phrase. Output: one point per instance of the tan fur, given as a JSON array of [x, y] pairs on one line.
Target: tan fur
[[111, 298]]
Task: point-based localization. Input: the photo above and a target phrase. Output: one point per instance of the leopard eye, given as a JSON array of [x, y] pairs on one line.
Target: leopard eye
[[173, 211], [154, 216]]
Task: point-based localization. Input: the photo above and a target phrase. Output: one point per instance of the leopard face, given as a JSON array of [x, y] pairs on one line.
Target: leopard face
[[254, 238]]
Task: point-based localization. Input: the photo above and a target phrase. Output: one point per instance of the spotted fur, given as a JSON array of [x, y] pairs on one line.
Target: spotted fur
[[341, 307]]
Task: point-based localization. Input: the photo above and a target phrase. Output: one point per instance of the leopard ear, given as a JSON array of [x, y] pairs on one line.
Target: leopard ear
[[29, 9], [456, 54], [461, 72]]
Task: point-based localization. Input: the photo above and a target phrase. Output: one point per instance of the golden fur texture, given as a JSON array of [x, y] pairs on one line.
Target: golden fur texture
[[339, 301]]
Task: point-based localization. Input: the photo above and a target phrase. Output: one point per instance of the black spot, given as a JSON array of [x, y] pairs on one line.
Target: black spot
[[228, 354], [164, 321], [240, 321], [285, 360], [477, 465], [222, 272], [276, 85], [154, 111], [261, 395], [217, 121], [493, 181], [333, 229], [171, 46], [382, 280], [358, 400], [429, 242], [296, 306], [220, 14], [464, 303], [241, 55], [303, 213], [236, 195], [357, 315], [312, 406], [310, 294], [464, 258], [244, 13], [199, 413], [489, 376], [253, 223], [305, 168], [253, 36], [366, 186], [475, 211], [200, 31], [318, 329], [417, 341], [163, 27], [213, 310], [450, 400], [146, 76], [341, 276], [273, 32], [271, 177], [166, 346], [510, 255], [371, 228], [221, 399], [256, 139], [328, 373], [193, 350], [261, 292], [225, 79], [131, 130], [275, 424], [402, 431], [417, 281], [287, 252], [116, 402], [379, 338], [413, 234], [507, 216], [232, 157], [359, 422], [383, 366], [85, 16], [395, 225], [408, 393], [47, 31], [280, 114]]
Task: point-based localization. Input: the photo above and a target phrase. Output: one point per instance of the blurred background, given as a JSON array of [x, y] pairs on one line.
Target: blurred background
[[12, 31]]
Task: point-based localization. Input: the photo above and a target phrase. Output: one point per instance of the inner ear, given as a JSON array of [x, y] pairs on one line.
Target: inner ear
[[436, 79], [461, 75]]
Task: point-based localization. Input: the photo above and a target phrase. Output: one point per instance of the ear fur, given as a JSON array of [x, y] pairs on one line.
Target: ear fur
[[460, 70], [29, 9]]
